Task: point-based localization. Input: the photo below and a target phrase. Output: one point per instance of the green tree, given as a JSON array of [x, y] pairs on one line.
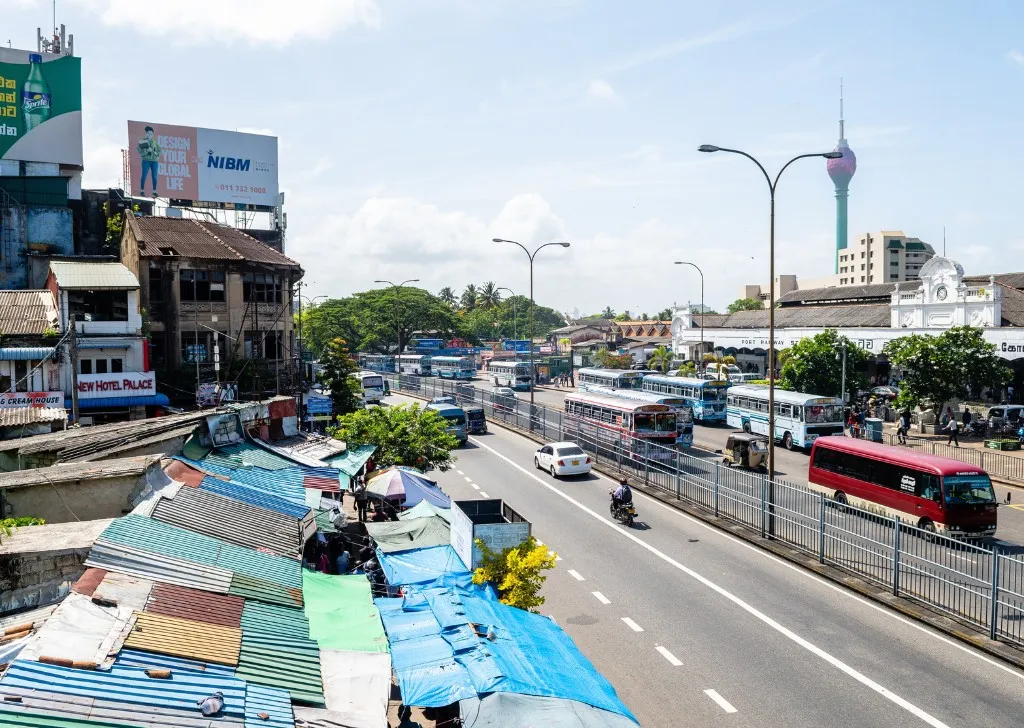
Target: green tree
[[115, 226], [488, 295], [470, 295], [516, 572], [745, 304], [665, 314], [611, 360], [404, 435], [608, 312], [815, 365], [721, 361], [624, 316], [688, 369], [949, 366], [660, 359], [338, 373], [447, 296]]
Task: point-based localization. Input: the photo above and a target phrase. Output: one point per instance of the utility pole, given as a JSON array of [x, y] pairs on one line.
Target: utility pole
[[843, 385], [73, 346], [302, 367]]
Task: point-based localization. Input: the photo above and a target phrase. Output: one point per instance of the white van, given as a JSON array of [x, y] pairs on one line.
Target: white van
[[745, 377], [721, 371]]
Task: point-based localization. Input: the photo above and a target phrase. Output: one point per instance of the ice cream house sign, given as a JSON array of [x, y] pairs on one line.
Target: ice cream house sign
[[121, 384]]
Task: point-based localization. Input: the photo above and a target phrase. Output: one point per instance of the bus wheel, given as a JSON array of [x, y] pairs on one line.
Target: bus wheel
[[746, 427], [929, 529], [840, 501], [787, 441]]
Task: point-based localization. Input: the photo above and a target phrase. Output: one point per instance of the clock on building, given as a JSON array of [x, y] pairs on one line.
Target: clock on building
[[941, 293]]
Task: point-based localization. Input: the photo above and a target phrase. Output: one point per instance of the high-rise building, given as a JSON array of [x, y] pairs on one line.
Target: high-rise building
[[841, 170], [882, 257]]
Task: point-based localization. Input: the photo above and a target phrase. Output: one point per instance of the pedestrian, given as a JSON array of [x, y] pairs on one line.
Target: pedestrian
[[952, 427], [851, 424], [360, 495], [902, 424], [343, 561], [967, 419], [860, 422]]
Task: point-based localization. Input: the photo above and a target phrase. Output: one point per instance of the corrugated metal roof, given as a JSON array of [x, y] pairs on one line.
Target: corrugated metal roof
[[277, 652], [92, 275], [185, 638], [252, 587], [201, 606], [230, 520], [31, 415], [66, 472], [146, 660], [31, 715], [198, 239], [27, 313], [276, 705], [245, 455], [254, 495], [307, 449], [88, 581], [130, 560]]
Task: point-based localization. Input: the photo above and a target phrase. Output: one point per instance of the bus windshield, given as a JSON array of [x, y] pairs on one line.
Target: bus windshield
[[968, 489], [655, 422], [456, 419], [713, 394], [820, 413], [373, 381]]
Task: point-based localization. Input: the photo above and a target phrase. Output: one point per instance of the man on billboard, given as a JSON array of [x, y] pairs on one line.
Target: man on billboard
[[149, 151]]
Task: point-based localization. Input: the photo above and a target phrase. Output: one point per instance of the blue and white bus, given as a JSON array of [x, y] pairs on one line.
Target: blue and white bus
[[707, 397], [377, 362], [418, 364], [682, 408], [589, 377], [800, 418], [373, 386], [514, 374], [453, 367]]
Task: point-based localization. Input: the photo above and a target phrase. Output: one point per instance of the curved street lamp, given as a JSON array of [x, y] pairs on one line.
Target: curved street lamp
[[398, 324], [515, 320], [531, 256], [684, 262], [772, 185]]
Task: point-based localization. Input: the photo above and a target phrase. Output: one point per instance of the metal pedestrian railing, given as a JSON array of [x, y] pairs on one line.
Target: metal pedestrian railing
[[1007, 467], [975, 583]]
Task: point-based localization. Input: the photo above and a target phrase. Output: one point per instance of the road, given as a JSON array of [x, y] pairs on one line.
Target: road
[[696, 628]]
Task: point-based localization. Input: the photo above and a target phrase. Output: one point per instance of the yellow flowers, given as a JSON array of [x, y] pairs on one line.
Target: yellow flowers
[[516, 572]]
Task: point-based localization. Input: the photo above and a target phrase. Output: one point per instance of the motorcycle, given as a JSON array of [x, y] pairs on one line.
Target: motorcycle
[[622, 512]]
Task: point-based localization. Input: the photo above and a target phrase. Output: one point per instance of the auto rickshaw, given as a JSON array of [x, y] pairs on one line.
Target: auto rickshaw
[[746, 450]]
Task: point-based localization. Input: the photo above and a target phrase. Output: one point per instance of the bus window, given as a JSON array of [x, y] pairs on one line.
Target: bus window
[[644, 423], [666, 423], [968, 489]]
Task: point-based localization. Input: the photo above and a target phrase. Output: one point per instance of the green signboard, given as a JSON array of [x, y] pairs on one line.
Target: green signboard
[[40, 107]]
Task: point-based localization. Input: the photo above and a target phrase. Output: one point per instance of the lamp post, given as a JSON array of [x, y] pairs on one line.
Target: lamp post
[[398, 323], [515, 320], [772, 186], [842, 386], [684, 262], [531, 256]]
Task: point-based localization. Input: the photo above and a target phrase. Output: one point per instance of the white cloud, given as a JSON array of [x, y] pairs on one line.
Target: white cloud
[[269, 22], [1016, 56], [601, 91]]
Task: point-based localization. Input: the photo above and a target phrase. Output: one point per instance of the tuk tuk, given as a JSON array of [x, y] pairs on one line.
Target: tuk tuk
[[746, 450], [476, 422]]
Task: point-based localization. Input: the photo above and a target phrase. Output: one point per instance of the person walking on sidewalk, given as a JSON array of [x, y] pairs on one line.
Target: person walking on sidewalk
[[953, 428], [360, 495], [903, 427]]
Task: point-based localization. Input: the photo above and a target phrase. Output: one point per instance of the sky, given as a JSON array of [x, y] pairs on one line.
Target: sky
[[412, 132]]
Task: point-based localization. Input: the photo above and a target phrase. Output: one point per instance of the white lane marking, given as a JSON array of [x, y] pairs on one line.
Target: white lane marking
[[484, 495], [468, 479], [753, 611], [632, 625], [576, 575], [722, 702], [460, 472], [601, 598], [475, 486], [672, 659]]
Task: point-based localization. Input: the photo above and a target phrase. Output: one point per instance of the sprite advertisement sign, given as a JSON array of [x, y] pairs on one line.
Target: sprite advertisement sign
[[40, 107]]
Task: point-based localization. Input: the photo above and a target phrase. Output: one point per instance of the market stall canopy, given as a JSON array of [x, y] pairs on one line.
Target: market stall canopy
[[422, 566], [415, 533], [407, 487], [424, 509], [514, 710], [352, 459]]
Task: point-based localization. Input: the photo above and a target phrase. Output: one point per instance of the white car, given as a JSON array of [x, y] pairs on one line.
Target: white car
[[562, 458]]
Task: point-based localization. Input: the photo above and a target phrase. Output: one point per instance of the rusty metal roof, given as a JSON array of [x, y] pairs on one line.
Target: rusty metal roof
[[201, 606], [185, 638], [27, 313], [164, 237]]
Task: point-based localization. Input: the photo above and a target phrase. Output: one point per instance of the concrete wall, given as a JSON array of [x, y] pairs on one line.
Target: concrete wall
[[89, 500], [33, 225]]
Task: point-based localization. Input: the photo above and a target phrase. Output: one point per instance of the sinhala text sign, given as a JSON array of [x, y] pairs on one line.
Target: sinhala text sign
[[124, 384], [202, 165], [40, 107]]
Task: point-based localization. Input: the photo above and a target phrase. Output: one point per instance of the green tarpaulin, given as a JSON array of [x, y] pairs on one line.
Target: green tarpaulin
[[416, 533], [352, 459], [426, 509], [341, 613]]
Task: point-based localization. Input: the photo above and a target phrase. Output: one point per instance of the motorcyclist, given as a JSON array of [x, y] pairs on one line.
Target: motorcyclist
[[623, 495]]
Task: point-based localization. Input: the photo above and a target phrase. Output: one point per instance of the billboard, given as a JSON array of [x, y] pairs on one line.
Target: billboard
[[204, 165], [520, 346], [121, 384], [40, 107]]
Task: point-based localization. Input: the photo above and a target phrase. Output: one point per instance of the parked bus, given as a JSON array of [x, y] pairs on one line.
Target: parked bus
[[800, 418], [377, 362], [933, 493], [705, 396], [373, 386], [514, 374], [456, 418], [614, 378], [414, 364], [683, 410], [453, 367], [607, 421]]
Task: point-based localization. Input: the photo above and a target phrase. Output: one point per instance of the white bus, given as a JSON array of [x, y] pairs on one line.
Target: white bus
[[373, 387], [682, 408], [800, 418], [643, 429], [614, 378], [414, 364], [707, 397], [514, 374], [377, 362], [453, 367]]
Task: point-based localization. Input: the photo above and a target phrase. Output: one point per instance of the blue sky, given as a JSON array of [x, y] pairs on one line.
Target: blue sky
[[413, 131]]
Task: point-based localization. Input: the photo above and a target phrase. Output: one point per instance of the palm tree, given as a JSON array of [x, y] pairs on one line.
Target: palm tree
[[660, 359], [721, 361], [468, 299], [488, 296], [608, 312], [447, 295]]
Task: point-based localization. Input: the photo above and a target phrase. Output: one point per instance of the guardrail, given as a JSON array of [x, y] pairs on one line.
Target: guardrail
[[975, 583], [1006, 467]]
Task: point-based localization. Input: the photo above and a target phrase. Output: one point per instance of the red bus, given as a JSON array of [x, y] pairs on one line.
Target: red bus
[[934, 493], [607, 420]]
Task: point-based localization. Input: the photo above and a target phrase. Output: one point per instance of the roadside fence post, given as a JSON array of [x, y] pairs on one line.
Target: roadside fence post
[[679, 474], [716, 471], [647, 461], [896, 541], [618, 451], [821, 528], [764, 506], [993, 627]]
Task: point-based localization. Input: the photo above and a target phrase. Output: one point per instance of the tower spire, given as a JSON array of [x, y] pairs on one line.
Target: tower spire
[[842, 131]]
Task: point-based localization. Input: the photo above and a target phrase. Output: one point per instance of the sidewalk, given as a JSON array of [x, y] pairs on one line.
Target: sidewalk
[[966, 442]]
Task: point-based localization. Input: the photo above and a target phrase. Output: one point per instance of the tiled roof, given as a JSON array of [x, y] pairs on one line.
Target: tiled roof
[[27, 313], [93, 275], [870, 315], [166, 236], [879, 291]]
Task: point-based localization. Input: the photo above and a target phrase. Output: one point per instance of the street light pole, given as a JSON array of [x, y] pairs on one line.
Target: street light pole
[[684, 262], [398, 323], [531, 256], [843, 384], [772, 185], [515, 319]]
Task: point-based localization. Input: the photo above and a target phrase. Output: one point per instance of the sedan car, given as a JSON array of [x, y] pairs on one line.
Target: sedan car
[[562, 458]]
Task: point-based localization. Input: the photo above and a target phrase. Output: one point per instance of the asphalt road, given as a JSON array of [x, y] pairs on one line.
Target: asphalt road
[[696, 628]]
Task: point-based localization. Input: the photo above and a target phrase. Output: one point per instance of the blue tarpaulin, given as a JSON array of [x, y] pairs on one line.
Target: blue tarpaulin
[[440, 652], [511, 710], [422, 566]]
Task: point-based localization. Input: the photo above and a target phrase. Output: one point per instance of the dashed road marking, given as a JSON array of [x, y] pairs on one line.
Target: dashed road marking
[[672, 659], [475, 486], [722, 702], [601, 598], [460, 472], [484, 495], [468, 479], [632, 625], [576, 575]]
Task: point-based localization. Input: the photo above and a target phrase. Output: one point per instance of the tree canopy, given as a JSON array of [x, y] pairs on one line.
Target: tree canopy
[[815, 365], [516, 572], [744, 304], [404, 435], [338, 370], [611, 360], [660, 359], [953, 365]]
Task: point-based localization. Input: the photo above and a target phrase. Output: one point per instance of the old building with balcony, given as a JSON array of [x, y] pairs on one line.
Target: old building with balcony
[[218, 300]]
